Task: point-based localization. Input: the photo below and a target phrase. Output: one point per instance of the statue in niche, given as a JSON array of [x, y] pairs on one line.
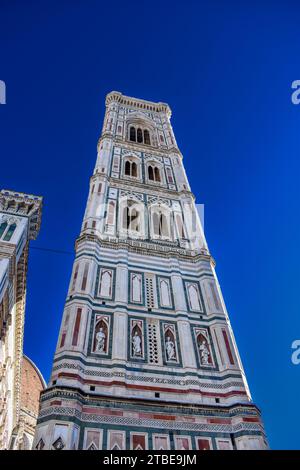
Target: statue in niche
[[170, 349], [136, 345], [100, 341], [204, 353]]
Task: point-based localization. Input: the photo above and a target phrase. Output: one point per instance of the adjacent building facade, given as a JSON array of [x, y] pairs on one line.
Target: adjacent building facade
[[146, 357], [20, 218]]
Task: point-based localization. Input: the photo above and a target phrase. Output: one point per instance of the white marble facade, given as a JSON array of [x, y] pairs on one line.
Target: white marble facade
[[144, 315]]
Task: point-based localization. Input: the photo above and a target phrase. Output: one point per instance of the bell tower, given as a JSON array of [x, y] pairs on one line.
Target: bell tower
[[146, 357]]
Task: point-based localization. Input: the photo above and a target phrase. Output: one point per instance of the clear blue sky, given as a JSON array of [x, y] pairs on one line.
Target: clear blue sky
[[226, 70]]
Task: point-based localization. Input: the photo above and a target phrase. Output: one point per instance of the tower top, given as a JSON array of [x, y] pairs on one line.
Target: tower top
[[116, 96]]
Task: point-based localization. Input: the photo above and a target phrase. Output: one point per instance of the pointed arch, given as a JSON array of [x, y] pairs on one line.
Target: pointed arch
[[194, 297], [134, 169], [132, 134], [106, 283], [139, 135], [157, 174], [101, 336], [165, 297], [150, 173], [146, 137], [128, 168]]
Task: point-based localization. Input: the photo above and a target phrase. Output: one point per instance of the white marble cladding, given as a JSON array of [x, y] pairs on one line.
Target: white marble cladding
[[144, 316]]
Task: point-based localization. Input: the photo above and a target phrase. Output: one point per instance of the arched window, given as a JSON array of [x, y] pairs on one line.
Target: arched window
[[146, 137], [2, 228], [150, 173], [156, 223], [140, 135], [160, 224], [164, 226], [132, 134], [169, 175], [131, 169], [128, 168], [134, 169], [179, 226], [131, 218], [156, 174], [10, 232]]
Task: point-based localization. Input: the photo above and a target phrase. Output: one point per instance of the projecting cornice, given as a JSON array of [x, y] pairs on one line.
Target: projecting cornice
[[116, 96], [24, 205]]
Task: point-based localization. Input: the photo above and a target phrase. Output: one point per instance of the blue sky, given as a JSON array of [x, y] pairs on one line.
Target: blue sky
[[226, 70]]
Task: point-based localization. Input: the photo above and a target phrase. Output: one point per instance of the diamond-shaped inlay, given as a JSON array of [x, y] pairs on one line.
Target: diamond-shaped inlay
[[58, 444]]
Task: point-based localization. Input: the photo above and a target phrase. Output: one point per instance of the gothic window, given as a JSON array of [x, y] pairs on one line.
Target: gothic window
[[142, 136], [3, 227], [160, 225], [128, 168], [156, 174], [193, 294], [152, 343], [10, 232], [106, 283], [134, 169], [101, 335], [165, 297], [180, 227], [136, 338], [111, 213], [99, 188], [146, 137], [132, 134], [169, 175], [131, 217], [139, 134], [204, 349], [131, 169], [136, 288], [150, 173]]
